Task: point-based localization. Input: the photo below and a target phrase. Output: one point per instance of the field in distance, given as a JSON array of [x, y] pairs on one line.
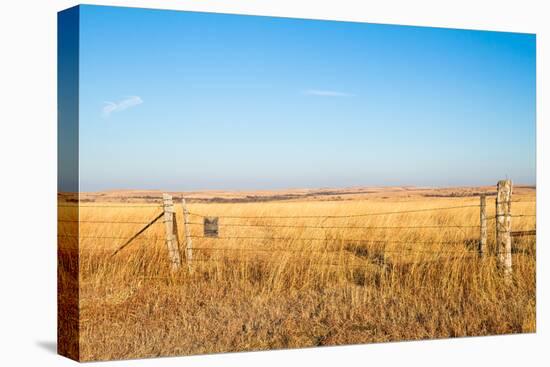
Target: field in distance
[[295, 268], [353, 193]]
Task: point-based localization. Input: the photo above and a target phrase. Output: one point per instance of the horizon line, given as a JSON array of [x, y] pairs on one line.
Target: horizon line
[[523, 185]]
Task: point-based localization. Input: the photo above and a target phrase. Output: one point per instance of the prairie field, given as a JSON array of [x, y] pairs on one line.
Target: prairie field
[[321, 269]]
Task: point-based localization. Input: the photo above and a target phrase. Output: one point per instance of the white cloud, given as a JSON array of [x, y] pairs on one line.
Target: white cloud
[[327, 93], [122, 105]]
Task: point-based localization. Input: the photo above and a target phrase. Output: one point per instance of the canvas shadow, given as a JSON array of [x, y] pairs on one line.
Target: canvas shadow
[[48, 345]]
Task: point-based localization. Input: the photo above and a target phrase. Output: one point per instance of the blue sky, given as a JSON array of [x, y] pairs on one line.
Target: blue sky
[[185, 101]]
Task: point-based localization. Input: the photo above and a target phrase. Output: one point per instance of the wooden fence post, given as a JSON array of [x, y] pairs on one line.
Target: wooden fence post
[[504, 225], [482, 226], [188, 240], [171, 235]]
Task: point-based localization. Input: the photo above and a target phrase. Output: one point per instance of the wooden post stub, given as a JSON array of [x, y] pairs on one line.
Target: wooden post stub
[[171, 235], [504, 225], [188, 240], [482, 225]]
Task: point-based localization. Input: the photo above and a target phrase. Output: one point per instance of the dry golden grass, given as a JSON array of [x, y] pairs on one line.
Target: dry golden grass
[[251, 294]]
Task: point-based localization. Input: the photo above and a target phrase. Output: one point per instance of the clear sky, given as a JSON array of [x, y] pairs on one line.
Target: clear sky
[[184, 101]]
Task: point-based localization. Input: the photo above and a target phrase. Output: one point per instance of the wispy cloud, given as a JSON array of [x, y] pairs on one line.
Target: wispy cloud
[[327, 93], [122, 105]]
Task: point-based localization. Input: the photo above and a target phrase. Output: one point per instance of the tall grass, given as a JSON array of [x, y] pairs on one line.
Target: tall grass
[[282, 289]]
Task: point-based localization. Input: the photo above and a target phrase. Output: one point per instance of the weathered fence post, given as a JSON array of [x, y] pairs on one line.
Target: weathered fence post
[[482, 226], [171, 235], [188, 241], [503, 226]]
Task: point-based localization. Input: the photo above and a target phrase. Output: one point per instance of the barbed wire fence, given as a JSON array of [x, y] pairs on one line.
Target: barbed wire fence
[[476, 247]]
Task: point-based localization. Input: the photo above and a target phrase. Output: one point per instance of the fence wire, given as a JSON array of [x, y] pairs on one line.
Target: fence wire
[[337, 227], [101, 221], [336, 239], [336, 216], [123, 206], [325, 240]]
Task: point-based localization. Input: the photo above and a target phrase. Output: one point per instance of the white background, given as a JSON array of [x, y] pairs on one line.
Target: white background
[[28, 181]]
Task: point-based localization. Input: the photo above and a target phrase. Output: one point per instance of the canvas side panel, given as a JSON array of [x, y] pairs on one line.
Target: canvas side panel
[[67, 184]]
